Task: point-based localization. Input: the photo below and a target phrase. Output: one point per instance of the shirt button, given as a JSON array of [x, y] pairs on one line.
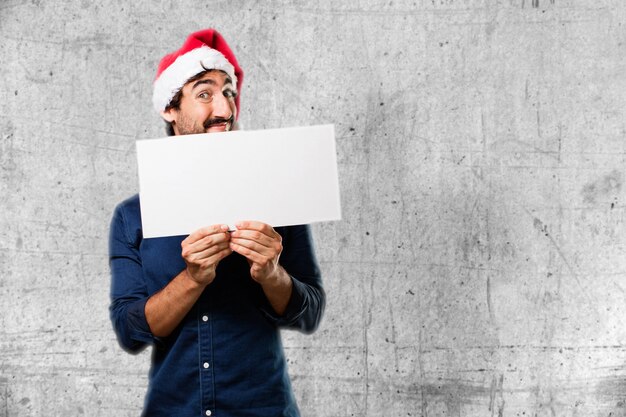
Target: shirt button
[[208, 412], [206, 365], [205, 318]]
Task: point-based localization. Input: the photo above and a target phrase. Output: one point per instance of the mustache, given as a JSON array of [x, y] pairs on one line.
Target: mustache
[[219, 120]]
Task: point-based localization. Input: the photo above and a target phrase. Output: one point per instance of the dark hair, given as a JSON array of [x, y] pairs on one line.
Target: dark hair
[[175, 101]]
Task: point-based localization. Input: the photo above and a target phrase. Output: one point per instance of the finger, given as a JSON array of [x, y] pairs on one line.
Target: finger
[[214, 259], [202, 256], [204, 243], [255, 269], [198, 249], [250, 254], [259, 226], [253, 235], [269, 251], [205, 231]]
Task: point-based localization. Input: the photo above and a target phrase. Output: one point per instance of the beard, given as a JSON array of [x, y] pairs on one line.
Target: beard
[[219, 121], [187, 126]]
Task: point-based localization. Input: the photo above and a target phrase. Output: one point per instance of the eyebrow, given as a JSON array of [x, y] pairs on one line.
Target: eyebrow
[[210, 81], [205, 81]]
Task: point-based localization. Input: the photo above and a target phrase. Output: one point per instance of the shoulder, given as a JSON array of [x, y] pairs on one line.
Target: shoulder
[[127, 217], [130, 205], [129, 209]]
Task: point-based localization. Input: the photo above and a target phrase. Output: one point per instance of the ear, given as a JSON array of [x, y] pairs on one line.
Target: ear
[[169, 115]]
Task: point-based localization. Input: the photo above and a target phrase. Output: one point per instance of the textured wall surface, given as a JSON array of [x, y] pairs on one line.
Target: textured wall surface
[[479, 269]]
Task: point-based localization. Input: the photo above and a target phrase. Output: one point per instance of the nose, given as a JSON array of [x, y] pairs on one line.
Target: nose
[[222, 106]]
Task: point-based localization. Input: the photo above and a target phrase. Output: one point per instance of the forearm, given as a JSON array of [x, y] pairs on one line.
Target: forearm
[[297, 299], [167, 308], [278, 290]]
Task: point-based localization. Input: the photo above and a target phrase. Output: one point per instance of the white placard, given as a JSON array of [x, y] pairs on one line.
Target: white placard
[[277, 176]]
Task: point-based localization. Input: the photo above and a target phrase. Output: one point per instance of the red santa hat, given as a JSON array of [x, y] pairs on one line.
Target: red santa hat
[[202, 50]]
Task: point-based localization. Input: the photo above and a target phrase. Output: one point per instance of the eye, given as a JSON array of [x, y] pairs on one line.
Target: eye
[[204, 95], [229, 93]]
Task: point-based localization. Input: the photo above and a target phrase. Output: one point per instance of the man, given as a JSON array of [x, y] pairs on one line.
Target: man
[[211, 303]]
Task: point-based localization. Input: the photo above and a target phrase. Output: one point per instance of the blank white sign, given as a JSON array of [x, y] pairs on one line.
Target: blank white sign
[[277, 176]]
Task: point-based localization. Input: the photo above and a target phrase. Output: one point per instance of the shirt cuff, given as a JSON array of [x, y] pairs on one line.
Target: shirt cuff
[[296, 306], [139, 330]]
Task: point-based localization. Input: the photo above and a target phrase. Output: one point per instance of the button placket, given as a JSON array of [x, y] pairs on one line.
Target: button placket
[[205, 358], [205, 318]]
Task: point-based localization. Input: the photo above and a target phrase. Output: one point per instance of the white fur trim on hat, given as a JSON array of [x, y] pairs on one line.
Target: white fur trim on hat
[[174, 77]]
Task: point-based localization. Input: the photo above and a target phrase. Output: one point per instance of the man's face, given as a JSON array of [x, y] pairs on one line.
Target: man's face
[[207, 105]]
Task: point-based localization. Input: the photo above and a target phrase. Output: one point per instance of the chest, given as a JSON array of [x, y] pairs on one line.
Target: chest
[[162, 261]]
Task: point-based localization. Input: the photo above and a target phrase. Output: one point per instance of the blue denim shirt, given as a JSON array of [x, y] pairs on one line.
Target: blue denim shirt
[[226, 356]]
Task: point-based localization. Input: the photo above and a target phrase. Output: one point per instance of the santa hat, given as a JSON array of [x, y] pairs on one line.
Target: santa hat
[[202, 50]]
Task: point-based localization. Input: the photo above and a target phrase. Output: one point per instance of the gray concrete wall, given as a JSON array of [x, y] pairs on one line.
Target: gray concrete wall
[[479, 269]]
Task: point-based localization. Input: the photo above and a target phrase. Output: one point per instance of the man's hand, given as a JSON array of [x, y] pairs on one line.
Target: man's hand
[[262, 246], [202, 251]]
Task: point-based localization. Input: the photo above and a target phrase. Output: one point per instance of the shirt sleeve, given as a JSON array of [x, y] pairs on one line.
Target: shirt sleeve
[[306, 305], [128, 289]]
